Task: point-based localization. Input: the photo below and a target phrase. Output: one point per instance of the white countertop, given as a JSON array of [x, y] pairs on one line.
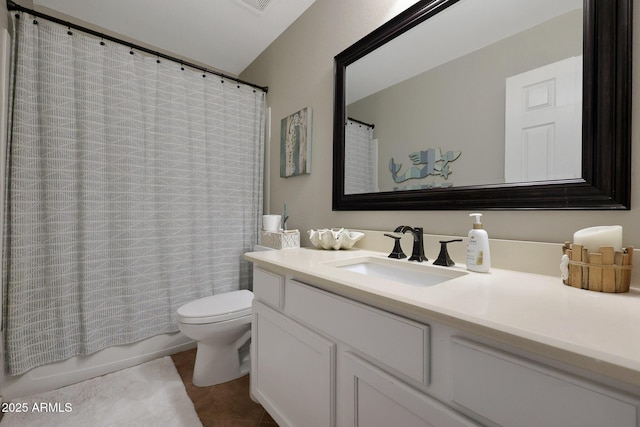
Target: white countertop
[[591, 330]]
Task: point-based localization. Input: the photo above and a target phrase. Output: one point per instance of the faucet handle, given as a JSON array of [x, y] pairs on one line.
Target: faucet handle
[[443, 258], [397, 249]]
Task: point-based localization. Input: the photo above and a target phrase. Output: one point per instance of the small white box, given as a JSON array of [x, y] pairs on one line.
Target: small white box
[[281, 239]]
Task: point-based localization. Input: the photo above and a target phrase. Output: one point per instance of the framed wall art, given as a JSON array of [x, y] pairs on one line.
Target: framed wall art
[[295, 144]]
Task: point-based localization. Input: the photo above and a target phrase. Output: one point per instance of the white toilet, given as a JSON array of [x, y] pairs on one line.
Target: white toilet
[[221, 325]]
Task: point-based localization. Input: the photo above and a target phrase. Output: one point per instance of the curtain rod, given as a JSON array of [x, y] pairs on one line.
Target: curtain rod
[[361, 122], [11, 6]]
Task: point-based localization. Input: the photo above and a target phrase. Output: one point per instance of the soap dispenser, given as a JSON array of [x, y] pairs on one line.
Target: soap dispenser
[[478, 255]]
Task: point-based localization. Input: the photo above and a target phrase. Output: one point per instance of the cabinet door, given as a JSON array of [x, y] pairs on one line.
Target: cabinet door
[[369, 397], [292, 370], [511, 391]]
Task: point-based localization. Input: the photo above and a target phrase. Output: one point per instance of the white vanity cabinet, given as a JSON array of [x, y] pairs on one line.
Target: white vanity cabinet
[[378, 354], [320, 359], [323, 360]]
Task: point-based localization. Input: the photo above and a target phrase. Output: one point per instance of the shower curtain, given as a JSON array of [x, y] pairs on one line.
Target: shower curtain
[[360, 159], [135, 186]]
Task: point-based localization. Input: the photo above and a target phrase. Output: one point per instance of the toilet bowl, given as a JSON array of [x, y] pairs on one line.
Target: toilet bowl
[[221, 326]]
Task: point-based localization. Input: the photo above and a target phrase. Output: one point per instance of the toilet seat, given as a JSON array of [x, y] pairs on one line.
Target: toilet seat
[[216, 308]]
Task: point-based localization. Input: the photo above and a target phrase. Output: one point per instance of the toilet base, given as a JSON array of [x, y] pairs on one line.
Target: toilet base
[[217, 364]]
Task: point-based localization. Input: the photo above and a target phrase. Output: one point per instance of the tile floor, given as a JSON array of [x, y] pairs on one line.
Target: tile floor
[[223, 405]]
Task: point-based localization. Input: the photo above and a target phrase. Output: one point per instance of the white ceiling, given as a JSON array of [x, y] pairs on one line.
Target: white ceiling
[[225, 34]]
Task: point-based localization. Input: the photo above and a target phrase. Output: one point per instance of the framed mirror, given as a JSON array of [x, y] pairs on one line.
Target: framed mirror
[[440, 98]]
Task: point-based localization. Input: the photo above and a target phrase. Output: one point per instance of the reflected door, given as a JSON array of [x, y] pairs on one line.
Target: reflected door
[[543, 123]]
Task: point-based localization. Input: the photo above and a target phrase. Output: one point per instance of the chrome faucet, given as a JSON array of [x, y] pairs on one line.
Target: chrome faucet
[[418, 245]]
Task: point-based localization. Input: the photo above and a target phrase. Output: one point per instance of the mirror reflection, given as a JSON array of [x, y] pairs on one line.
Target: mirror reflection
[[489, 92]]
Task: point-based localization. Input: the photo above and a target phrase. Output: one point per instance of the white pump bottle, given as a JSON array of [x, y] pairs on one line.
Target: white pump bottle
[[478, 255]]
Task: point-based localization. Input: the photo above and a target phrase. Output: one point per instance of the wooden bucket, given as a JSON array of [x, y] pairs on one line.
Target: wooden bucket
[[605, 271]]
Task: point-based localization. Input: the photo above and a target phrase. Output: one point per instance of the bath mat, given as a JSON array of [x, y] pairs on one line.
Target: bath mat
[[151, 394]]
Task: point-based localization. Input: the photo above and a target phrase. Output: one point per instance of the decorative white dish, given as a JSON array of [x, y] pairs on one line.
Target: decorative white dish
[[334, 238]]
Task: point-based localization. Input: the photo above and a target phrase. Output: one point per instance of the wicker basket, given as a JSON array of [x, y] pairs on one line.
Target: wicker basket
[[605, 271]]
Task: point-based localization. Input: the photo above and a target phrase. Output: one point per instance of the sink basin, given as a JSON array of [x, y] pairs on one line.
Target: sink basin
[[406, 272]]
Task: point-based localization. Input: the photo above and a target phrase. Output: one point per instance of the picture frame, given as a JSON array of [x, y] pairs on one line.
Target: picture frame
[[295, 143]]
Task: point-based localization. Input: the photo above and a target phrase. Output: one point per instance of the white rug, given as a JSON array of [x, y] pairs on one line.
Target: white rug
[[151, 394]]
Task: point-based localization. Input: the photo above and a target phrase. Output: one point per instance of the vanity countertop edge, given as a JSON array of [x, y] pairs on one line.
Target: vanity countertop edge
[[594, 331]]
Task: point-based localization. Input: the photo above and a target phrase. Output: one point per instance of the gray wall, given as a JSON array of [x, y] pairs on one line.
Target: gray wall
[[298, 68]]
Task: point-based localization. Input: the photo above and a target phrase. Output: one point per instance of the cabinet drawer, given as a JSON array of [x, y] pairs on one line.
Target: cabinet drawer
[[511, 391], [268, 287], [399, 343]]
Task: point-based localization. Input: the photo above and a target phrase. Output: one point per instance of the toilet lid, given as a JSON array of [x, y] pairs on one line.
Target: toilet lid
[[217, 308]]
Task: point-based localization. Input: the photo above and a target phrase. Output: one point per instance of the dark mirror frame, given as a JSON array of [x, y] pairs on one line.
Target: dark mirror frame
[[606, 125]]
